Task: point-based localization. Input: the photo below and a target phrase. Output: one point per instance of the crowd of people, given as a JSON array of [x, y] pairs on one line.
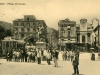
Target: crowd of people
[[69, 54], [38, 55], [31, 55]]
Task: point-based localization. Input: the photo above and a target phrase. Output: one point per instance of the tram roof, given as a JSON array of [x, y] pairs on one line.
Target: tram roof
[[9, 40]]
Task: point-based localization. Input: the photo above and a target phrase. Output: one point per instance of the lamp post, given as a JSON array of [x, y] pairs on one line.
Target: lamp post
[[62, 38]]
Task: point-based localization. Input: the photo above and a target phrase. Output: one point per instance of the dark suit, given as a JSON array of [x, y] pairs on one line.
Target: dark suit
[[55, 56], [75, 65]]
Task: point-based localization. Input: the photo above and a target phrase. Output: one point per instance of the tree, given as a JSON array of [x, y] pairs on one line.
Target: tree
[[30, 40], [8, 32], [2, 33]]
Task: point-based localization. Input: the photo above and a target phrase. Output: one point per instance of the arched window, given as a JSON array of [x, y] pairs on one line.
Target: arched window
[[83, 39]]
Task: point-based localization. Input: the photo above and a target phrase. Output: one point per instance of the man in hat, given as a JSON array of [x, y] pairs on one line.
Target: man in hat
[[55, 57], [75, 64]]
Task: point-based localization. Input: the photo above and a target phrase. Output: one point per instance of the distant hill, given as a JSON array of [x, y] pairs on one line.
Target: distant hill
[[53, 36], [53, 32], [6, 25]]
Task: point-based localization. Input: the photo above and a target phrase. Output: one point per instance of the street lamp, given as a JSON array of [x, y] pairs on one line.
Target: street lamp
[[62, 38]]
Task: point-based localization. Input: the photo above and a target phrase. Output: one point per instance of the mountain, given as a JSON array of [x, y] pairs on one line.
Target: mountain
[[6, 25], [6, 29], [53, 36]]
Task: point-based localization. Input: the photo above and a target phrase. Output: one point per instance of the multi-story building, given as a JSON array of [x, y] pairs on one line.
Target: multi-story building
[[67, 33], [30, 26], [72, 35], [96, 31], [84, 34]]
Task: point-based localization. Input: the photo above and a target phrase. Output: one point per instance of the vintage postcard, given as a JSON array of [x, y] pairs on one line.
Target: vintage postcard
[[49, 37]]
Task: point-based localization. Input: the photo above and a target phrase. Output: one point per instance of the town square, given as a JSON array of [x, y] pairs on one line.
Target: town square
[[42, 37]]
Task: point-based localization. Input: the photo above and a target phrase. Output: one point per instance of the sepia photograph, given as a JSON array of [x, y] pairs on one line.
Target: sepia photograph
[[49, 37]]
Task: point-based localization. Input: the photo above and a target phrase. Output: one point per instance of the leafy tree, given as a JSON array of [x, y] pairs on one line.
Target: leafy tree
[[30, 40], [8, 32], [46, 40], [2, 33]]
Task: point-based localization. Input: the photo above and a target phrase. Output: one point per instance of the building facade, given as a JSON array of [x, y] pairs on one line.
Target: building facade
[[73, 36], [84, 34], [96, 42], [67, 33], [30, 26]]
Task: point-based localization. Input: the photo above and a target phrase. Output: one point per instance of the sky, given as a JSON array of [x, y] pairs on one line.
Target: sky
[[51, 11]]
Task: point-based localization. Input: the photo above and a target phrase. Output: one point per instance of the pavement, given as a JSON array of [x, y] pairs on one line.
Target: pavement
[[86, 67]]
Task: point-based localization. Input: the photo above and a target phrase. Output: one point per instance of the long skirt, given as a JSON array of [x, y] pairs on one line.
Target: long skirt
[[93, 57], [39, 60]]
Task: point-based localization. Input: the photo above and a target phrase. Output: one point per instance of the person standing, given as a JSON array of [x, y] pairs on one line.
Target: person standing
[[26, 55], [39, 56], [18, 56], [72, 55], [55, 55], [68, 55], [44, 54], [22, 56], [29, 55], [63, 55], [51, 51], [78, 53], [93, 56], [33, 56], [75, 64], [14, 55], [8, 56], [48, 55]]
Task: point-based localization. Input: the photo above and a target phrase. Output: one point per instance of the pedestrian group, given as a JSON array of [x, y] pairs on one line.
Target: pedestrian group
[[38, 55]]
